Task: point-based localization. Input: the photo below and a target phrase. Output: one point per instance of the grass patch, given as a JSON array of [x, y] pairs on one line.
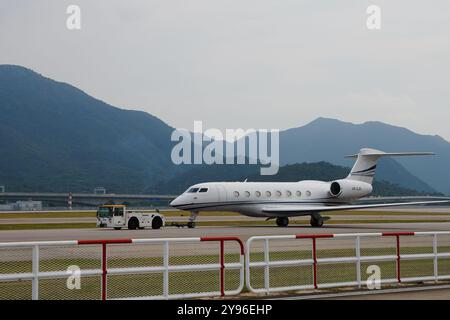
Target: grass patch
[[119, 286], [202, 213], [45, 226], [385, 213], [386, 221], [49, 214], [92, 214]]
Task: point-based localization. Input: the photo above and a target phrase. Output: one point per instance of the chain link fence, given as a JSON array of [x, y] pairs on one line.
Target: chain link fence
[[15, 260], [198, 267], [298, 262], [121, 269], [443, 249]]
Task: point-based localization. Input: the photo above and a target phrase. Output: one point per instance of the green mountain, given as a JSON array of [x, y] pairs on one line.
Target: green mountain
[[55, 137], [330, 140]]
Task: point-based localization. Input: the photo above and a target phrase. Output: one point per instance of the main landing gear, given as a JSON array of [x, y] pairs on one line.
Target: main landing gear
[[317, 220], [282, 221], [191, 223]]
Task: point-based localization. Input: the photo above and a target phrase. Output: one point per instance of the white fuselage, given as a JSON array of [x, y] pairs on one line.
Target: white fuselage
[[248, 198]]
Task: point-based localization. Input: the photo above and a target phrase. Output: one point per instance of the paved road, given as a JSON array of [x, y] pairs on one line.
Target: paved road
[[226, 218], [242, 232], [355, 216], [437, 294], [426, 292]]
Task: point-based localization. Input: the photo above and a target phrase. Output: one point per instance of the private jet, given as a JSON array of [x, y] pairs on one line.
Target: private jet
[[281, 200]]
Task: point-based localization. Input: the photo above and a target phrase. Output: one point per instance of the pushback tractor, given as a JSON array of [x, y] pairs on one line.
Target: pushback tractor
[[117, 216]]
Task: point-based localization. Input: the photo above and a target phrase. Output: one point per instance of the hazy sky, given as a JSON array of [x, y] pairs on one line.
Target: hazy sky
[[244, 63]]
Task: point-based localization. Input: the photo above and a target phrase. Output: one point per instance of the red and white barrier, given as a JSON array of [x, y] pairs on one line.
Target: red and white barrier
[[263, 254], [269, 265], [165, 268]]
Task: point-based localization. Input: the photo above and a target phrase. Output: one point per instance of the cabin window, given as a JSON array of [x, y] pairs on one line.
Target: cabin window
[[236, 194], [203, 190], [193, 190], [258, 194], [268, 193], [247, 194], [278, 193], [308, 193], [288, 193], [299, 193]]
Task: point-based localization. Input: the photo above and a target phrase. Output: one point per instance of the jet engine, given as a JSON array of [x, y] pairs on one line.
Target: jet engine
[[346, 189]]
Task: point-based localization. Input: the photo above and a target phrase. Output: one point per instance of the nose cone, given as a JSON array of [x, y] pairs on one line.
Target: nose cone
[[175, 202]]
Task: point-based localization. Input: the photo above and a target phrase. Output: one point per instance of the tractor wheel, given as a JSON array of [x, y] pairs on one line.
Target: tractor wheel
[[133, 223], [157, 223]]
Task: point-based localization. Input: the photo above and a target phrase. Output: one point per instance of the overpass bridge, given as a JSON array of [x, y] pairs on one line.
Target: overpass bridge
[[84, 199]]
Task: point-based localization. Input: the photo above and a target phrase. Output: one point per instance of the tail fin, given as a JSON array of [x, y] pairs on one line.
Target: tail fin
[[366, 163]]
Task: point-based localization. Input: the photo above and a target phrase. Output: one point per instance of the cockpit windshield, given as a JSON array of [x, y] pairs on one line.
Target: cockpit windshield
[[193, 190]]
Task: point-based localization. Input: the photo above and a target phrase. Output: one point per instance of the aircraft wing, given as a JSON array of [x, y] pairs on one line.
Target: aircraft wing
[[318, 208]]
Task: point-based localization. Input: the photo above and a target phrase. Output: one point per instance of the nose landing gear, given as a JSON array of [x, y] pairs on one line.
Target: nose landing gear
[[193, 216]]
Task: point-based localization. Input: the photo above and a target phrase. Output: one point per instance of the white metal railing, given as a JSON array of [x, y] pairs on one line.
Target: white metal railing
[[357, 259], [165, 269]]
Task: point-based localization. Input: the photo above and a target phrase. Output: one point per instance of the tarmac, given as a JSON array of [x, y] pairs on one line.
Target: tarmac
[[230, 218], [243, 232], [437, 294]]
